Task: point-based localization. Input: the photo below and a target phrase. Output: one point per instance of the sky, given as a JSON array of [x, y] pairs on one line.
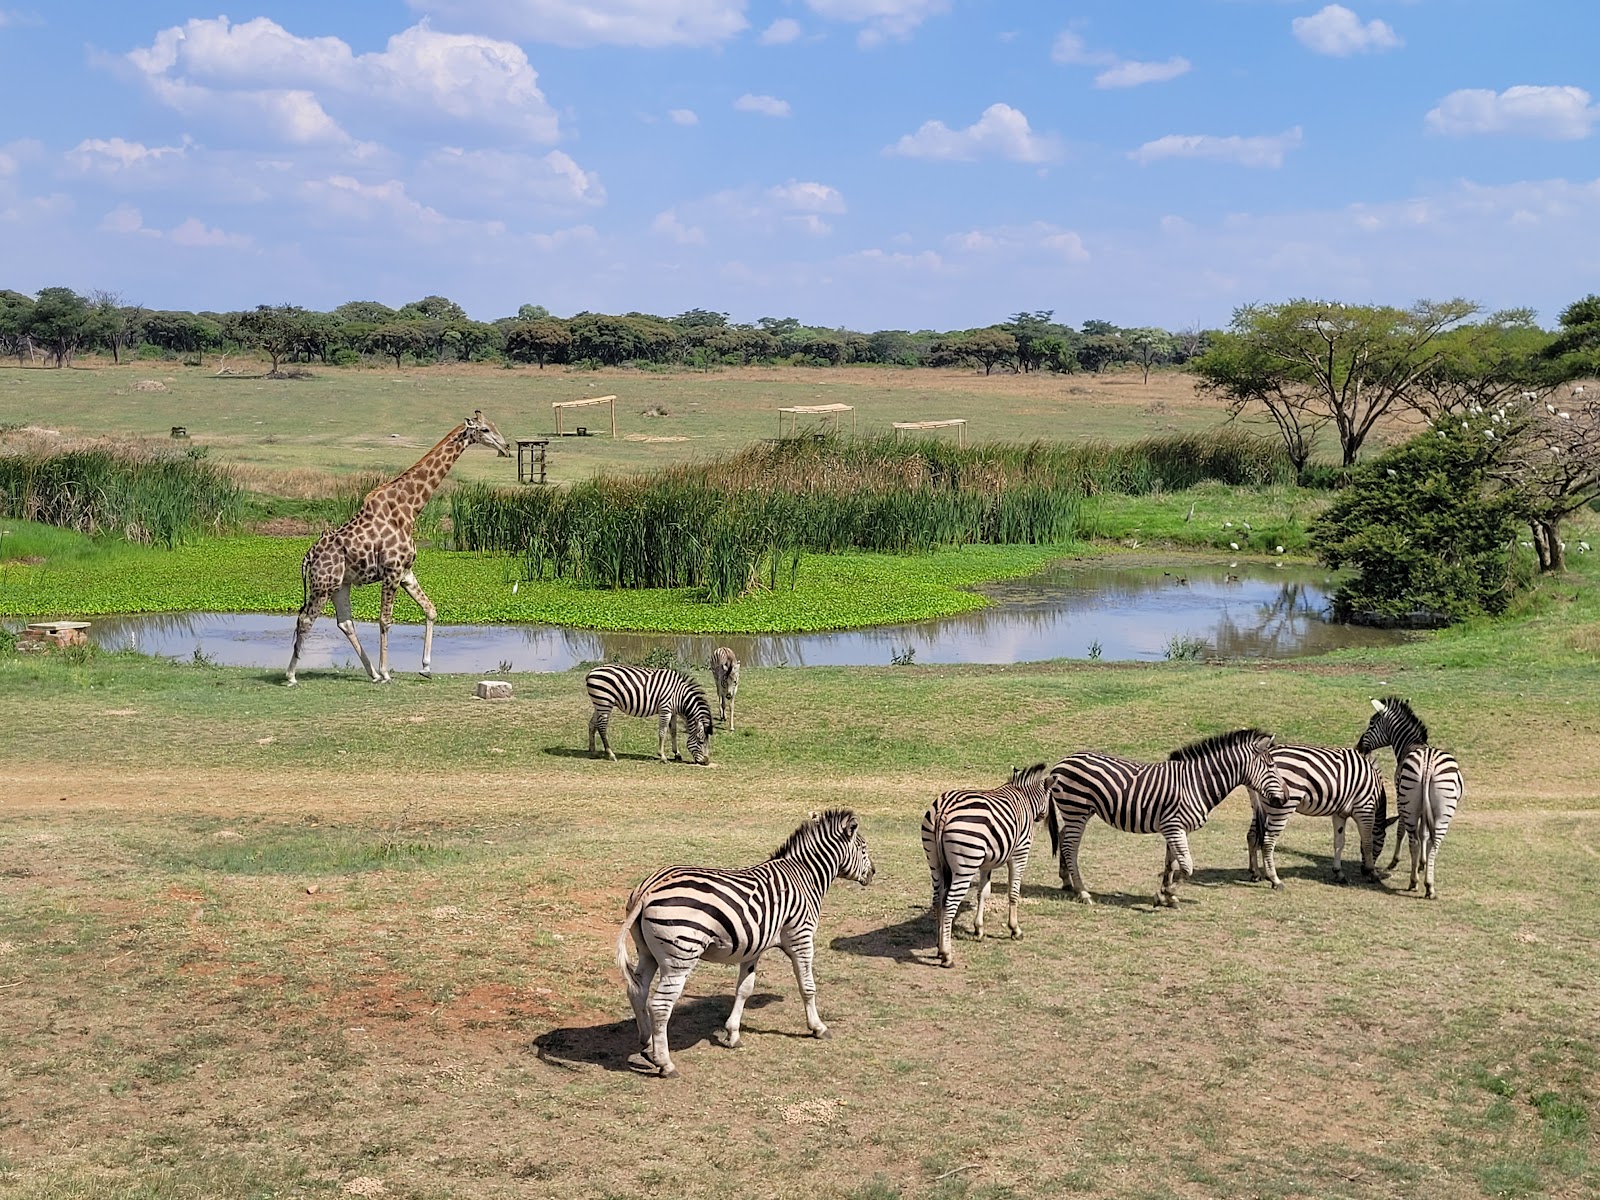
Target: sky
[[876, 164]]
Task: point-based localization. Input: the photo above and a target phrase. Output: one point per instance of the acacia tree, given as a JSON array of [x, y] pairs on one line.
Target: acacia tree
[[987, 348], [15, 317], [1312, 363], [1150, 345], [1548, 460], [538, 340], [278, 330], [60, 322]]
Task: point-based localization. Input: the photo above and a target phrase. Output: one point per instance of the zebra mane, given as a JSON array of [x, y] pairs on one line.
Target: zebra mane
[[815, 830], [1217, 741], [1026, 777], [1402, 709]]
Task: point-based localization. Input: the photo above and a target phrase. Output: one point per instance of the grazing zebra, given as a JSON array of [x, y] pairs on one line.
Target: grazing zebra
[[1321, 781], [647, 691], [966, 834], [1172, 798], [725, 674], [1427, 784], [681, 915]]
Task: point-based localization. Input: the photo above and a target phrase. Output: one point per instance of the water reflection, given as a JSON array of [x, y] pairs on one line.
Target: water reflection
[[1132, 613]]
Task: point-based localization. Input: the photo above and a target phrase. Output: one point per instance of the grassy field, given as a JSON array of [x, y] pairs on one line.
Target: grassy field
[[356, 940], [346, 420]]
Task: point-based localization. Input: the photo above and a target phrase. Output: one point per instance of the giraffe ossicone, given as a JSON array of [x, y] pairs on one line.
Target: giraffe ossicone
[[376, 546]]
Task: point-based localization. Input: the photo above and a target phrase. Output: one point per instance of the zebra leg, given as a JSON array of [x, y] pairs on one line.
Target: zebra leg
[[669, 983], [1416, 858], [800, 952], [598, 720], [983, 897], [1368, 836], [638, 980], [1399, 841], [1179, 863], [728, 1035], [1018, 864], [1269, 852], [1071, 837], [1338, 849], [662, 725], [1252, 844], [1432, 852]]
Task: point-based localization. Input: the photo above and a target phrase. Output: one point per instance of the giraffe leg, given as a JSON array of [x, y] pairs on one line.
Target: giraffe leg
[[302, 626], [385, 620], [347, 626], [429, 613]]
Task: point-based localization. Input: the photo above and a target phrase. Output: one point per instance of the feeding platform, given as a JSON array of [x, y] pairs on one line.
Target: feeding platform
[[561, 406], [56, 633], [531, 460], [959, 424], [829, 411]]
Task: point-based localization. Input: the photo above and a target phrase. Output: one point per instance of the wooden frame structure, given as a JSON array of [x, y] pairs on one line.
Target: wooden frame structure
[[562, 405], [959, 423], [831, 411], [531, 460]]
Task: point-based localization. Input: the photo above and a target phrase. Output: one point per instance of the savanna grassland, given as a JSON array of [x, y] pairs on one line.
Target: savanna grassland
[[357, 940]]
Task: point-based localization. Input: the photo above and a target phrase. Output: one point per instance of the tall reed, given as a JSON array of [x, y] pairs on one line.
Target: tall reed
[[742, 521], [137, 493]]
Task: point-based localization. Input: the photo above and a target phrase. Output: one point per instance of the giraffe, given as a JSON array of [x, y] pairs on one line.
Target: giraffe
[[375, 546]]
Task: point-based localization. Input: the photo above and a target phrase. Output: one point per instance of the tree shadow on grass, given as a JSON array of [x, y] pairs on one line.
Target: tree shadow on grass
[[694, 1021]]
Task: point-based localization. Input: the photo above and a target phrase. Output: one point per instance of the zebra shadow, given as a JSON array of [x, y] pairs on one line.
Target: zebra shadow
[[622, 755], [909, 941], [694, 1020]]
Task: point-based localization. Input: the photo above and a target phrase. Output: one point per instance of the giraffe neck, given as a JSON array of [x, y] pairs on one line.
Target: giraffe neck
[[407, 493]]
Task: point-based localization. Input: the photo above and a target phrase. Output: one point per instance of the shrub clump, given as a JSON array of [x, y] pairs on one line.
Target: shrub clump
[[1431, 537]]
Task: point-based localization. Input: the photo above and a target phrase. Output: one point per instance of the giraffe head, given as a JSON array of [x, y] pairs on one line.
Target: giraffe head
[[476, 429]]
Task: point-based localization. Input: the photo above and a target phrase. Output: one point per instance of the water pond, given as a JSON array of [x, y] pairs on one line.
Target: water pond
[[1128, 612]]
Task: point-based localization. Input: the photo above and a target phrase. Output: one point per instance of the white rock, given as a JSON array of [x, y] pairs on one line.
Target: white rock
[[493, 689]]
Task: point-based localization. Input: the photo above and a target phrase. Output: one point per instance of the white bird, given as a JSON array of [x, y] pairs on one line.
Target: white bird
[[1233, 564], [1393, 474], [1245, 525], [1577, 389], [1529, 545], [1280, 549], [1565, 416], [1583, 547], [1233, 545], [1549, 406], [1530, 395], [1489, 433], [1227, 524], [514, 588]]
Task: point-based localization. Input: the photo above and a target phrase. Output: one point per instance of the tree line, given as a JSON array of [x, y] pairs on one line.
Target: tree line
[[58, 324]]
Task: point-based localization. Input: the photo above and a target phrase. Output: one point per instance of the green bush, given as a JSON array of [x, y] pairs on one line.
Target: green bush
[[1430, 536], [345, 357]]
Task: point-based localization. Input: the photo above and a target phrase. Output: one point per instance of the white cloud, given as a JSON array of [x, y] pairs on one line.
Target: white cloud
[[116, 154], [193, 232], [577, 235], [16, 19], [1070, 49], [1337, 31], [1001, 132], [1244, 151], [781, 32], [502, 181], [579, 23], [767, 106], [349, 201], [1560, 113], [884, 19], [807, 197], [1026, 240], [669, 224], [683, 116], [924, 260], [259, 69]]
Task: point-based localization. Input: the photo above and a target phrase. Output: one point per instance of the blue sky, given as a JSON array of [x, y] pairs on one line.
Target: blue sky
[[872, 163]]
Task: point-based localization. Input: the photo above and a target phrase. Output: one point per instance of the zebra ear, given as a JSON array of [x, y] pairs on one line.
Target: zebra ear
[[1377, 706], [851, 823], [815, 813]]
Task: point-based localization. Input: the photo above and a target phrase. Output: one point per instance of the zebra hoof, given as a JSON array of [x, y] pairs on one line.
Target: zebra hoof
[[1016, 935], [1339, 878], [724, 1038], [823, 1035], [669, 1073], [643, 1063], [291, 683], [947, 962], [1277, 885]]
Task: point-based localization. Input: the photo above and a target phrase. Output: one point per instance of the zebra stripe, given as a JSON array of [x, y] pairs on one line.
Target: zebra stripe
[[966, 834], [651, 691], [1428, 785], [1172, 798], [1321, 781], [681, 915], [725, 675]]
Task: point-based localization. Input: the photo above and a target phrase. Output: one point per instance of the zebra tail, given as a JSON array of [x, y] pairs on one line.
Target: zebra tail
[[1258, 825], [1054, 826], [635, 907], [940, 862]]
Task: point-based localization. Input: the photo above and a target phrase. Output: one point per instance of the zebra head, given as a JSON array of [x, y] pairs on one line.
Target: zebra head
[[1392, 724], [1260, 772], [697, 725], [836, 832], [1033, 782]]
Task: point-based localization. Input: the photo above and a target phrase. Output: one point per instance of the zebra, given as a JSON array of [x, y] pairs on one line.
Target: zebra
[[680, 915], [1321, 781], [1172, 798], [725, 674], [643, 691], [966, 834], [1428, 786]]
